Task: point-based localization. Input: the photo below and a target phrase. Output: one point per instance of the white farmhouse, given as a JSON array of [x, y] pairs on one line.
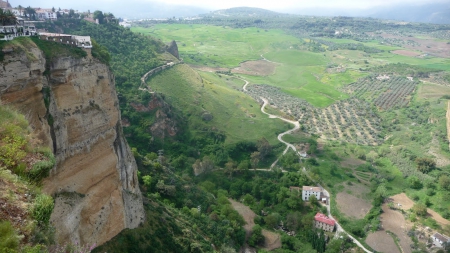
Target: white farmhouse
[[308, 191], [441, 240]]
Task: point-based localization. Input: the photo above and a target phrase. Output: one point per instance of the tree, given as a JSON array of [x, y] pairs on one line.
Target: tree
[[293, 221], [254, 159], [30, 13], [257, 237], [7, 17], [372, 156], [414, 182], [425, 165], [99, 15], [420, 209], [203, 166], [263, 147], [272, 220], [230, 166], [313, 200], [444, 182], [147, 180], [381, 191], [20, 7]]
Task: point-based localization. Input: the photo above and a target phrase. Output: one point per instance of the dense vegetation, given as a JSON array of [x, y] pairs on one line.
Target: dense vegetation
[[24, 222], [392, 129]]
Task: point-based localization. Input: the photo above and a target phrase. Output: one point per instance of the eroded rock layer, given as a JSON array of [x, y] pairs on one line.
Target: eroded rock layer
[[72, 107]]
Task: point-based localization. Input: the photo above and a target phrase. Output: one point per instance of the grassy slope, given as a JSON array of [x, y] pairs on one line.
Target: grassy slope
[[226, 47], [234, 113], [219, 46]]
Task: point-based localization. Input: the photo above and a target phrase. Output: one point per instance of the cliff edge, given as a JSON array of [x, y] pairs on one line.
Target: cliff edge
[[72, 106]]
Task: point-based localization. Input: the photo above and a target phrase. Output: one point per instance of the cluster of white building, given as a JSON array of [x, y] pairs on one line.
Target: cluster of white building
[[23, 28], [68, 39]]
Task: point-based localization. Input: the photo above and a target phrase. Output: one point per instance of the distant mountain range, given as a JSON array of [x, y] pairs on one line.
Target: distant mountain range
[[428, 13]]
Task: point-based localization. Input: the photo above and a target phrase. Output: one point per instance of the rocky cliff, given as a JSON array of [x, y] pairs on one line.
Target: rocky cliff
[[72, 107]]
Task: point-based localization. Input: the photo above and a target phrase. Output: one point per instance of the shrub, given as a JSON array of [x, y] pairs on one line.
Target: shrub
[[420, 209], [9, 241], [42, 208], [41, 169]]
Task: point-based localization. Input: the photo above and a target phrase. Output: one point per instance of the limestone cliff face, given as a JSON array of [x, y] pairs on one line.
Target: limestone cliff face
[[74, 110], [173, 49]]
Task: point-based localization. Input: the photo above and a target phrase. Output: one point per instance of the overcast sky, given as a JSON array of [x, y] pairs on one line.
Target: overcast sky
[[211, 4], [166, 8]]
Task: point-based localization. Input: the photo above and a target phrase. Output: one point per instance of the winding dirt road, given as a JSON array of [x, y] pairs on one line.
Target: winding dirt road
[[339, 229]]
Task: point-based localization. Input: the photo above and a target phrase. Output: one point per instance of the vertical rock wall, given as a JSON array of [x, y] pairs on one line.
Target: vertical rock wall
[[94, 182]]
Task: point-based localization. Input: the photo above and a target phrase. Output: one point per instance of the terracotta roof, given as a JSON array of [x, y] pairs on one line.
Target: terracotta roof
[[442, 238], [324, 219], [312, 188]]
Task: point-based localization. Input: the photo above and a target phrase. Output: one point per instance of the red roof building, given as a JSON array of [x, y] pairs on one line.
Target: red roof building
[[324, 222]]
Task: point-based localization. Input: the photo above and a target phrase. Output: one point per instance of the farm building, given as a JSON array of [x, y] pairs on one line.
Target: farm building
[[324, 222], [308, 191], [441, 240]]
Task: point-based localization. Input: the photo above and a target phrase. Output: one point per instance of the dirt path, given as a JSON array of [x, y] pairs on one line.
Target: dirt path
[[448, 122], [272, 240]]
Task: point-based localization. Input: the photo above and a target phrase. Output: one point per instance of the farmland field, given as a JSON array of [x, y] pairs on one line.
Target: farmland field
[[375, 105], [353, 201]]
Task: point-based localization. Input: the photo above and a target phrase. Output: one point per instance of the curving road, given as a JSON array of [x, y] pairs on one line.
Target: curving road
[[339, 228], [280, 136]]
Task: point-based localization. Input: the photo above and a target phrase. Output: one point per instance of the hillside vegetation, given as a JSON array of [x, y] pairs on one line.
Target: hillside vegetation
[[371, 98], [25, 210]]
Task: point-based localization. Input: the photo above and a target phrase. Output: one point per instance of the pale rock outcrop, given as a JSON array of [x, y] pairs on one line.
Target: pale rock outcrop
[[94, 181]]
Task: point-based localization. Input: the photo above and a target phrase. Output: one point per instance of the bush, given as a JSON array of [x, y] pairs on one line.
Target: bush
[[9, 241], [256, 238], [42, 208], [41, 169]]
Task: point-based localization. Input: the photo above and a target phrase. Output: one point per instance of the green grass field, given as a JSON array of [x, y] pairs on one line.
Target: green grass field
[[219, 46], [314, 77], [234, 113]]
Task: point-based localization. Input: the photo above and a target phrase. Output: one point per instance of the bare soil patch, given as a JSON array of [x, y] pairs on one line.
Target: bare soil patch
[[354, 201], [272, 240], [394, 222], [437, 217], [406, 203], [429, 46], [351, 162], [257, 68], [246, 213], [208, 69], [406, 53], [382, 242], [352, 206]]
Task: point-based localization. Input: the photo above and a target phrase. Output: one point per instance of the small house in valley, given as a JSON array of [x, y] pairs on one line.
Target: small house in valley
[[308, 191], [441, 240], [323, 222]]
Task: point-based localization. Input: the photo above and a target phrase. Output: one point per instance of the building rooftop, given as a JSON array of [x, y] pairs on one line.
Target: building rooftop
[[441, 237], [324, 219], [312, 188]]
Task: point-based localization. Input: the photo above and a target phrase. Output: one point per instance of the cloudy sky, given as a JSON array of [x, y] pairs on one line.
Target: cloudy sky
[[121, 7]]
